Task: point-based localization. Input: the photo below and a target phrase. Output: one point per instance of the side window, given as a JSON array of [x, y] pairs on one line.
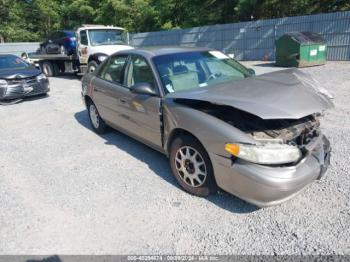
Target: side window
[[83, 38], [139, 72], [216, 67], [113, 70]]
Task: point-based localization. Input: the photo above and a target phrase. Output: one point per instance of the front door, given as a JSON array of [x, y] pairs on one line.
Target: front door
[[141, 112], [83, 44]]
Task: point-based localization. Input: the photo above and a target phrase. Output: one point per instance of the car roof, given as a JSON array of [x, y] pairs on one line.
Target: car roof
[[151, 52]]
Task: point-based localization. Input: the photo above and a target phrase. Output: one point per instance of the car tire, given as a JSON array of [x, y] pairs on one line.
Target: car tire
[[92, 65], [97, 123], [61, 67], [47, 68], [56, 69], [191, 166]]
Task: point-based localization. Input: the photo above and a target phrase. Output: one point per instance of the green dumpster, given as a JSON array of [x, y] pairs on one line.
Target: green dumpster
[[300, 49]]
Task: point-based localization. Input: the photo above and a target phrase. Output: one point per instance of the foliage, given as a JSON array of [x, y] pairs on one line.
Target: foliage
[[33, 20]]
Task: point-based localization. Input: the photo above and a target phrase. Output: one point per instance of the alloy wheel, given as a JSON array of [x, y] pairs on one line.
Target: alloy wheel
[[190, 166], [95, 120]]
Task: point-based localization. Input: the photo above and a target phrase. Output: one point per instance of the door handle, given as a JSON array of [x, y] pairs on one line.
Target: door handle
[[122, 100]]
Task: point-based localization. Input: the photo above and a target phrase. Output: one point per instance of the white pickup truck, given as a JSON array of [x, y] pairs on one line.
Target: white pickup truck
[[94, 44]]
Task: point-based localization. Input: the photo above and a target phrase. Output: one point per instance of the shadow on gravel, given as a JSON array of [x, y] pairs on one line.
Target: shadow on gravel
[[160, 166], [68, 76], [54, 258], [22, 100], [272, 64]]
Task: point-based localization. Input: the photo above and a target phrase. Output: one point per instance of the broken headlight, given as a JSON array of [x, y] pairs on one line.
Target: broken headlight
[[41, 77], [265, 153]]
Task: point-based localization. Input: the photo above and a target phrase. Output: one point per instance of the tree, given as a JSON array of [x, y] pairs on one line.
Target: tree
[[15, 24], [32, 20], [135, 15], [47, 14]]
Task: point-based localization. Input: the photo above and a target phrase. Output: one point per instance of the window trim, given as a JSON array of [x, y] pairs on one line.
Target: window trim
[[98, 75], [156, 86], [87, 38]]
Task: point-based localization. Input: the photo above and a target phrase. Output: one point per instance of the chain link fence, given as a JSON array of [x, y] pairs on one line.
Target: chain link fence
[[255, 40]]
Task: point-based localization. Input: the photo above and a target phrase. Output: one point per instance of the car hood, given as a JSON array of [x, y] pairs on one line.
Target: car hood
[[287, 94], [19, 73]]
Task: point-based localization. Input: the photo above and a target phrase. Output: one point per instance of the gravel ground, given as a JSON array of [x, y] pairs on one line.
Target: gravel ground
[[66, 190]]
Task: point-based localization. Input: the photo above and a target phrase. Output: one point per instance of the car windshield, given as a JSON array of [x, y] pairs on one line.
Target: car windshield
[[106, 37], [12, 62], [191, 70]]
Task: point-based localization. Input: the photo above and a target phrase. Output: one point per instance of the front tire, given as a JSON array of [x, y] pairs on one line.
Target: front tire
[[97, 123], [191, 166], [92, 65]]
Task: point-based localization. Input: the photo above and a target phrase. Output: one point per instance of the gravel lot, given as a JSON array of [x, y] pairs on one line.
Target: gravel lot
[[66, 190]]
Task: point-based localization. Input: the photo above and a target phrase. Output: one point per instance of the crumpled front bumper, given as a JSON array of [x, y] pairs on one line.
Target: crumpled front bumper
[[267, 185], [20, 91]]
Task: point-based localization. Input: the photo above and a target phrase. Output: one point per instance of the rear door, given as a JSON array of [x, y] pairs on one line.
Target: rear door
[[108, 88], [141, 113]]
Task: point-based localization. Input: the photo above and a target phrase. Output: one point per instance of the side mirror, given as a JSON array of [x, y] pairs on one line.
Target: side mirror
[[143, 89], [24, 56], [251, 71]]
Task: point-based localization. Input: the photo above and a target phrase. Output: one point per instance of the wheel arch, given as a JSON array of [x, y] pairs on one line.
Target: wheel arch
[[94, 57], [87, 100], [176, 133]]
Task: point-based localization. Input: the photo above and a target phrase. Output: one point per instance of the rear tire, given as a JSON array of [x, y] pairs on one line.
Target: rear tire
[[61, 67], [47, 68], [191, 166], [56, 69], [97, 123]]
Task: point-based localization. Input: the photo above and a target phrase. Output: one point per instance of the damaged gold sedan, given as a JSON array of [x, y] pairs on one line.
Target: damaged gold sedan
[[257, 137]]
